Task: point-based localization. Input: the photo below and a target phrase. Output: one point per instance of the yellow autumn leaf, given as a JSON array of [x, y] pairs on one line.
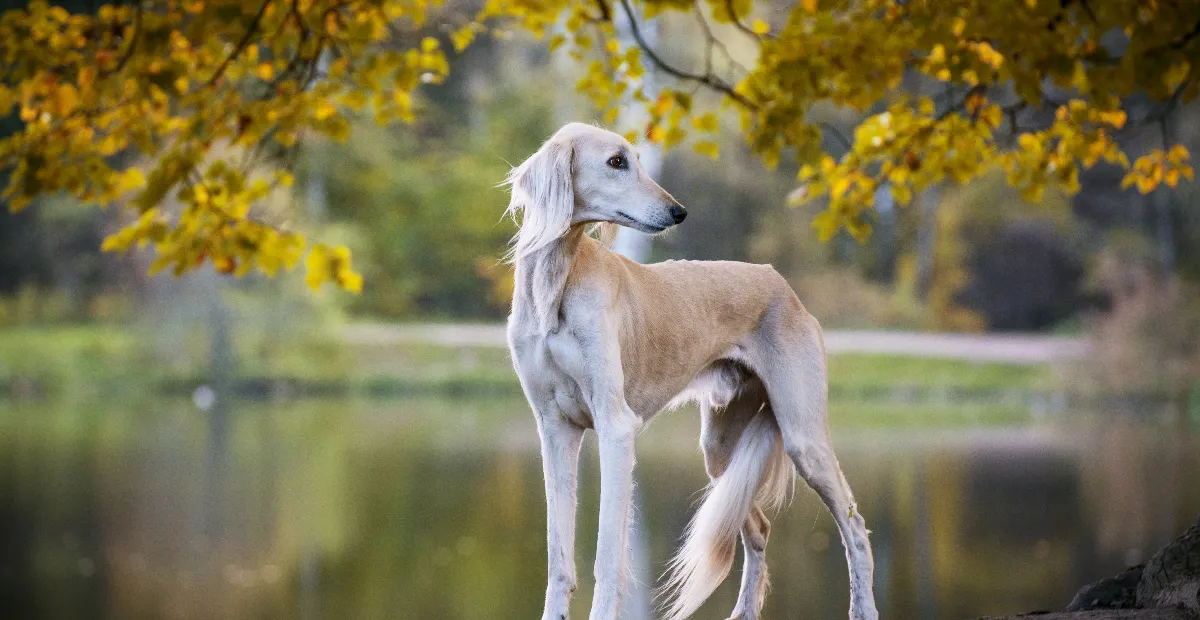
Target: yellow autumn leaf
[[706, 122], [129, 180], [826, 224], [661, 106], [316, 266], [1176, 75], [351, 281], [992, 116], [937, 55], [324, 110], [66, 99], [708, 148], [86, 78], [674, 136]]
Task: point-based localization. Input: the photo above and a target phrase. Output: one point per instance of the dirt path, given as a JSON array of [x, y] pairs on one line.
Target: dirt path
[[1016, 348]]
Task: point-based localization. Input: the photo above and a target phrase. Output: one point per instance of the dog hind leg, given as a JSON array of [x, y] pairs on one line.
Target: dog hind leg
[[796, 383], [721, 429]]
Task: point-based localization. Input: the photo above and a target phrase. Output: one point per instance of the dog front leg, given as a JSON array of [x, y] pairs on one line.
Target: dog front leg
[[560, 464], [616, 436]]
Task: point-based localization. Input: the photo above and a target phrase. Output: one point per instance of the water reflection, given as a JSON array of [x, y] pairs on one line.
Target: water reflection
[[433, 509]]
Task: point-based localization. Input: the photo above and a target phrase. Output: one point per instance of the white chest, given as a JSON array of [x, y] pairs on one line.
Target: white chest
[[544, 364]]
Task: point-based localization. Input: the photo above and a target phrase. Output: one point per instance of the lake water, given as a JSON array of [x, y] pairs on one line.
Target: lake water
[[432, 508]]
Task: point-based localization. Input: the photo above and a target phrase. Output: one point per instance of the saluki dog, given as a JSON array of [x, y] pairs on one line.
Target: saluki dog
[[602, 342]]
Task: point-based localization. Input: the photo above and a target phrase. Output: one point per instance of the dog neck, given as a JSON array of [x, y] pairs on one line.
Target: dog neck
[[541, 278]]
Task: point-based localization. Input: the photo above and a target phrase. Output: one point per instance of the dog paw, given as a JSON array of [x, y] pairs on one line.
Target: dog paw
[[863, 611], [869, 614]]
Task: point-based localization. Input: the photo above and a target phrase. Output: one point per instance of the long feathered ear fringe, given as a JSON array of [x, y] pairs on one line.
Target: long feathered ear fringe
[[542, 191]]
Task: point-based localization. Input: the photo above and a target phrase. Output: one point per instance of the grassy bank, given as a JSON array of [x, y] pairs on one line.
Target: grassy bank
[[51, 360]]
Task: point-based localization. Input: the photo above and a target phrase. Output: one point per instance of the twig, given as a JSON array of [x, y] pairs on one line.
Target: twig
[[1186, 38], [707, 79], [709, 39], [837, 133], [241, 46], [713, 42], [738, 23], [133, 39], [605, 12]]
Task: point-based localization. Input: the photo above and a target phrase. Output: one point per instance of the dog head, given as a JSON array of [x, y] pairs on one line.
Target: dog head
[[586, 174]]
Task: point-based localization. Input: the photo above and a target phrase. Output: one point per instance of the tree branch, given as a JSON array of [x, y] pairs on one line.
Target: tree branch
[[738, 23], [712, 42], [1186, 38], [241, 46], [837, 133], [133, 39], [707, 79], [605, 12]]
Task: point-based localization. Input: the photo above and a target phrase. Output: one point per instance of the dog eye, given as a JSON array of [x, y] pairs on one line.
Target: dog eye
[[617, 161]]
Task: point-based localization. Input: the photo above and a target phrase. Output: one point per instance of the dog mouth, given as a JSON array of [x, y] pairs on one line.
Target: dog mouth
[[637, 224]]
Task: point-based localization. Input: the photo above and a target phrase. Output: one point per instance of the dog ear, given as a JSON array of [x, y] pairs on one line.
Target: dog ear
[[542, 189]]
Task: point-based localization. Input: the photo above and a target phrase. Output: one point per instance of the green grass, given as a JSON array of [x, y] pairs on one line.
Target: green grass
[[857, 371], [58, 358], [56, 354], [887, 415]]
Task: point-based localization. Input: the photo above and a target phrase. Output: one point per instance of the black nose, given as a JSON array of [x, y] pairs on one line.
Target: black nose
[[678, 212]]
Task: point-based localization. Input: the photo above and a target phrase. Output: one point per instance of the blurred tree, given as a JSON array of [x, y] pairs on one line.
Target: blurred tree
[[21, 260], [428, 233], [206, 88], [1017, 264]]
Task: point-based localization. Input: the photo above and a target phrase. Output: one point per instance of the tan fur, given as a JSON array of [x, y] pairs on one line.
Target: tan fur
[[602, 342], [677, 317]]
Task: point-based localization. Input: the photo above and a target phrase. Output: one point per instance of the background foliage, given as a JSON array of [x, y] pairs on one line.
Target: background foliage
[[945, 91], [997, 156]]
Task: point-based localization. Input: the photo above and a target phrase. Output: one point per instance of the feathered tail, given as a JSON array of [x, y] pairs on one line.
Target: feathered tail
[[759, 471]]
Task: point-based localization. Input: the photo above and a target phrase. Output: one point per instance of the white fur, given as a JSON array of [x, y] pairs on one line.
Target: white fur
[[704, 559], [543, 180], [604, 343]]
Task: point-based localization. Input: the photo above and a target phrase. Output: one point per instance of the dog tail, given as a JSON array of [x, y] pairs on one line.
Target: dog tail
[[759, 471]]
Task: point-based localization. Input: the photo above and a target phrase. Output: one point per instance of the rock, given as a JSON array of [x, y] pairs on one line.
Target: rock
[[1172, 577], [1166, 613], [1165, 588], [1119, 592]]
